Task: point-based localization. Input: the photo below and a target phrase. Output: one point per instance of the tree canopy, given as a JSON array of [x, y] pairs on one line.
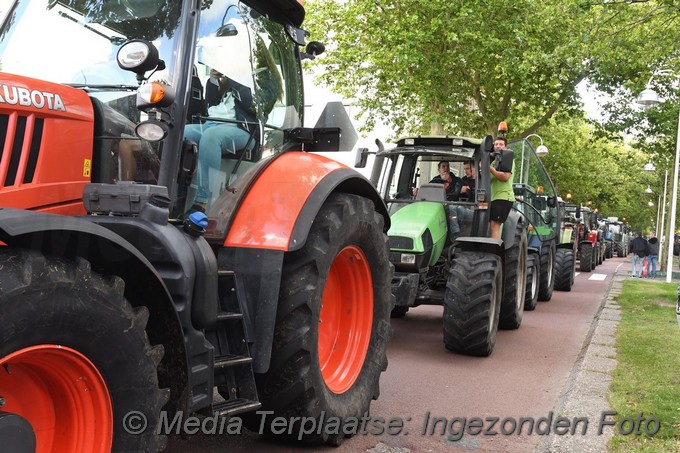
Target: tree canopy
[[468, 65], [460, 67]]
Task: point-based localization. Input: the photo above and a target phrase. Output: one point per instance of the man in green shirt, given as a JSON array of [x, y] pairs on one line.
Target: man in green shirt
[[502, 194]]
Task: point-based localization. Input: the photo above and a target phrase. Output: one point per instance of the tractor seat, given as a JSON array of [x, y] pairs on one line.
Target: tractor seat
[[432, 192]]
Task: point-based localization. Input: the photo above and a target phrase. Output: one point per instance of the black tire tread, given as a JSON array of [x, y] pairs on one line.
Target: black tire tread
[[293, 385], [564, 269], [474, 284], [65, 302], [533, 271], [514, 275], [546, 282]]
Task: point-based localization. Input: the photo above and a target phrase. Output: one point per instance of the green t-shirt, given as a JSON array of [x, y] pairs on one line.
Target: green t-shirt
[[502, 190]]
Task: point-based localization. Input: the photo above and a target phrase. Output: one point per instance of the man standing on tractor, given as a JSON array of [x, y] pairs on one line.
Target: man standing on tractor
[[502, 194]]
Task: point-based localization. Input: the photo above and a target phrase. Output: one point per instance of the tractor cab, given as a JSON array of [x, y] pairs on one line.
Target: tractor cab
[[183, 105], [410, 189], [535, 194]]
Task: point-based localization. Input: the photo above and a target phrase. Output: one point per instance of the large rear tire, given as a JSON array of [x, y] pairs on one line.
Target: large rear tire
[[546, 282], [531, 291], [514, 276], [77, 362], [332, 323], [564, 269], [472, 303]]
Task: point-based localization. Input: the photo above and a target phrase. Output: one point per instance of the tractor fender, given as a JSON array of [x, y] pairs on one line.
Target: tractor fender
[[509, 227], [108, 254], [281, 202], [479, 244]]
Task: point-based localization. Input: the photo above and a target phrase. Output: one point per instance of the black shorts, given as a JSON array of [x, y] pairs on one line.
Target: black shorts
[[500, 209]]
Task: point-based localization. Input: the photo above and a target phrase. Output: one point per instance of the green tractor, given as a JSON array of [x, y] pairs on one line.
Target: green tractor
[[551, 262], [440, 246]]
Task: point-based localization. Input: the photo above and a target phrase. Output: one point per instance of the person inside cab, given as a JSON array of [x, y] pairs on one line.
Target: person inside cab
[[465, 187], [447, 178], [239, 96]]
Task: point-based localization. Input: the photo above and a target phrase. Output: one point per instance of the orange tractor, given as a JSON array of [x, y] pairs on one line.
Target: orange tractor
[[168, 245]]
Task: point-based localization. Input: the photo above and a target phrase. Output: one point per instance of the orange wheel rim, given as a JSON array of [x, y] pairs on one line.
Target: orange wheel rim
[[346, 319], [62, 395]]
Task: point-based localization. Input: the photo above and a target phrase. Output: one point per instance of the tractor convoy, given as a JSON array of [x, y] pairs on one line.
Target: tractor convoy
[[172, 245], [160, 277]]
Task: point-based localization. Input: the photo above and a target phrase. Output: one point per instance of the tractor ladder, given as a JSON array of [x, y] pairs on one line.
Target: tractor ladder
[[233, 368]]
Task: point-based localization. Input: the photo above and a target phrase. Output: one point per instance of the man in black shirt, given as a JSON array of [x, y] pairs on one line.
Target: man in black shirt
[[465, 187], [447, 178], [640, 249]]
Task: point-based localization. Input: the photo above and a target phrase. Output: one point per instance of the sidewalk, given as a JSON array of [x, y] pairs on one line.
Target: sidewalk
[[586, 391]]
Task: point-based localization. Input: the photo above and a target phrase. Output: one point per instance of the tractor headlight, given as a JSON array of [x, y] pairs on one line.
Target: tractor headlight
[[408, 258]]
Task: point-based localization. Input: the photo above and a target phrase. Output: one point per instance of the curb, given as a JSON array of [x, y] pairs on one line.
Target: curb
[[585, 394]]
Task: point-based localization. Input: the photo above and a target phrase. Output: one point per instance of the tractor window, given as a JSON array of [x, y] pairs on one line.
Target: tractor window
[[247, 68], [534, 189]]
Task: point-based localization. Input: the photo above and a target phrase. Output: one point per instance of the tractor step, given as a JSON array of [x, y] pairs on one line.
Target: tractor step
[[235, 406], [228, 316], [231, 360], [233, 374]]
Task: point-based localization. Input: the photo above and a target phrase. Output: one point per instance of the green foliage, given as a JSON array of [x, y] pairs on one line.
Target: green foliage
[[461, 66], [598, 169], [646, 378], [467, 65]]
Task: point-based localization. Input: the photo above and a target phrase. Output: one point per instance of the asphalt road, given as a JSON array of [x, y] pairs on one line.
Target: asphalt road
[[523, 379]]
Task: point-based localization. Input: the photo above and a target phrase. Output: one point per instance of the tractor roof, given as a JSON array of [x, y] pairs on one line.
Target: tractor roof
[[452, 148]]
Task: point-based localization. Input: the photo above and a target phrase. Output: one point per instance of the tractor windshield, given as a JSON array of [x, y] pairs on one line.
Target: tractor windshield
[[75, 42], [535, 194]]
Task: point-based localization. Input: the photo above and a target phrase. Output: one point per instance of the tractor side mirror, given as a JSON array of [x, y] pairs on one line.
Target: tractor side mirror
[[361, 158]]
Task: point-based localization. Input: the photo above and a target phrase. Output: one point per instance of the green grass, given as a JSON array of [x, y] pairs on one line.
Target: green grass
[[647, 378]]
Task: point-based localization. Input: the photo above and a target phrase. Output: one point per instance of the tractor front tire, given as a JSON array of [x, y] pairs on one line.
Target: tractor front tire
[[531, 291], [472, 303], [564, 269], [76, 361], [514, 277], [546, 281], [332, 323]]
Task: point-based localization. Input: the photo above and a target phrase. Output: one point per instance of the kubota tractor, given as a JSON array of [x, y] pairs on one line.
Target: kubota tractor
[[166, 243], [440, 245]]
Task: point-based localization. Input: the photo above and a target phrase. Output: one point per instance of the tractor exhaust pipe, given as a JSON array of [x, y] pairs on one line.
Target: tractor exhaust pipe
[[377, 164]]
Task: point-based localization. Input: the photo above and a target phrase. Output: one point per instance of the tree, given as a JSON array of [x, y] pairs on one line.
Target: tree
[[599, 169], [464, 66]]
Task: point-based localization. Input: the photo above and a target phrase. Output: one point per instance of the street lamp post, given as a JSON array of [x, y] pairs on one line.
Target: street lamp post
[[661, 209], [648, 97], [663, 217]]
